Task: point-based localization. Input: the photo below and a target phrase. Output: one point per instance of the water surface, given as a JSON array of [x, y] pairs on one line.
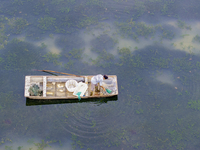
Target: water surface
[[151, 45]]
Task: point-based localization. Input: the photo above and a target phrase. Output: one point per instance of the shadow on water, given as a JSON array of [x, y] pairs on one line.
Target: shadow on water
[[31, 102]]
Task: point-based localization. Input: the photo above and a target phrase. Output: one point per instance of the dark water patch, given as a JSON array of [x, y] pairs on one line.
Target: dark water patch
[[79, 123], [102, 42], [7, 121], [188, 10], [20, 55], [69, 42]]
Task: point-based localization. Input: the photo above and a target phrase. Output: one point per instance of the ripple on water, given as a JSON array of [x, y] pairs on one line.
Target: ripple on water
[[90, 121]]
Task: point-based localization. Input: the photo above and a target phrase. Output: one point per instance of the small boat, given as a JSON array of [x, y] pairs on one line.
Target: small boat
[[68, 87]]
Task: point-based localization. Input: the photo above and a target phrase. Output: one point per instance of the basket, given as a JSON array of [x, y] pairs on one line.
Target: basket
[[71, 85], [82, 88]]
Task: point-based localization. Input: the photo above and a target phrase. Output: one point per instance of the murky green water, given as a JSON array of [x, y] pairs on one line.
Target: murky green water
[[151, 45]]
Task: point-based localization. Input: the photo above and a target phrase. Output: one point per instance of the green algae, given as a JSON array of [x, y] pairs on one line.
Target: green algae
[[46, 23], [52, 57], [140, 111], [104, 59], [13, 60], [160, 62], [135, 30], [182, 25], [17, 25], [74, 53], [194, 104], [196, 39], [43, 144], [76, 142]]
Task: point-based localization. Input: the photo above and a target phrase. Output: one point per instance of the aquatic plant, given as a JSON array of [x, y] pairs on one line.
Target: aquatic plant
[[196, 39], [69, 64], [140, 111], [21, 56], [18, 2], [19, 147], [104, 59], [46, 23], [52, 57], [30, 141], [138, 9], [3, 37], [125, 54], [87, 21], [1, 59], [51, 36], [64, 9], [17, 25], [43, 144], [175, 136], [43, 45], [8, 147], [90, 149], [94, 2], [130, 60], [182, 25], [198, 64], [135, 30], [76, 142], [182, 64], [135, 146], [160, 62], [194, 104], [74, 53], [167, 34], [93, 123], [164, 9], [103, 41], [144, 30], [4, 140]]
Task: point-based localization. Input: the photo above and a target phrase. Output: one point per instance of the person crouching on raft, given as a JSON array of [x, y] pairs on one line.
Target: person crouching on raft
[[98, 79]]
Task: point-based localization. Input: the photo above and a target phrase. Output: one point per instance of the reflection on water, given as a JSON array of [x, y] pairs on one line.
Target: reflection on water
[[49, 43], [165, 77], [36, 144], [152, 46]]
